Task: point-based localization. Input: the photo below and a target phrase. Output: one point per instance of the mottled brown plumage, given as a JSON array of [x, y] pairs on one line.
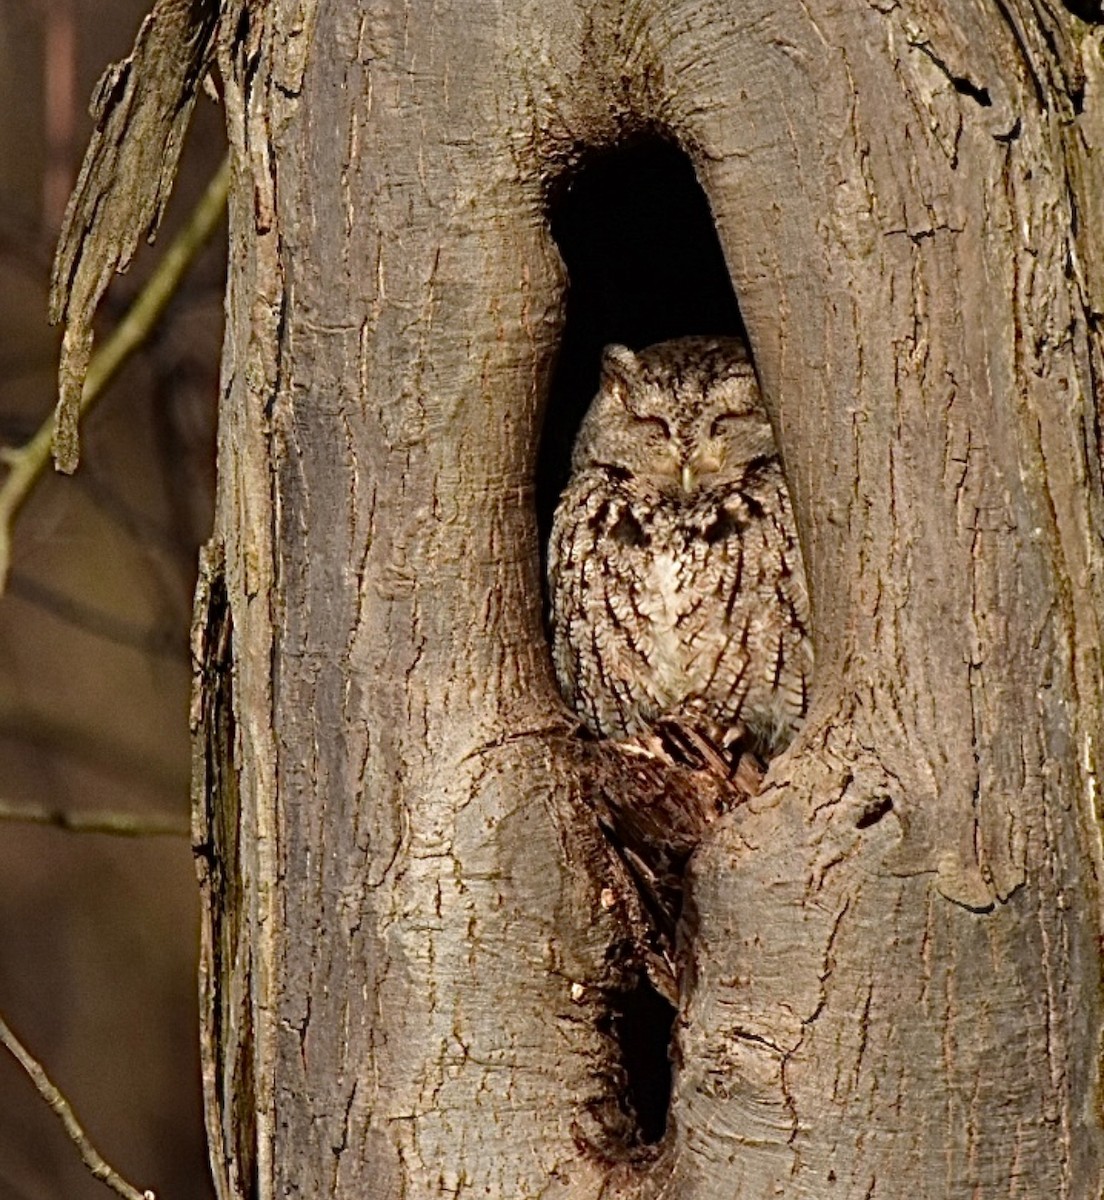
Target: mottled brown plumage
[[674, 568]]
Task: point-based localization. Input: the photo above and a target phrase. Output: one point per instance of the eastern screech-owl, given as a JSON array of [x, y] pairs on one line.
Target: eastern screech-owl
[[674, 567]]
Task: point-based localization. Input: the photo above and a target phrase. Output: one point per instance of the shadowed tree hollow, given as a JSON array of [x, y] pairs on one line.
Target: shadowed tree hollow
[[634, 230], [424, 966]]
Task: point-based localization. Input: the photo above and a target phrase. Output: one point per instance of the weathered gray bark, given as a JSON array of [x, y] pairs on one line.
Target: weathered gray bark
[[892, 983]]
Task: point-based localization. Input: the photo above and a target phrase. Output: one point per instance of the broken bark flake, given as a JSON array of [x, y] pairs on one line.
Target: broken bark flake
[[141, 107], [229, 1094]]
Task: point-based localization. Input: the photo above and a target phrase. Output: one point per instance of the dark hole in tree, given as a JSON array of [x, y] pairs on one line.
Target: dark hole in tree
[[874, 812], [634, 229], [642, 1021], [644, 262]]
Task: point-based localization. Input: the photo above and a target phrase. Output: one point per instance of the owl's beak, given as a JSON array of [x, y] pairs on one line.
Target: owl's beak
[[687, 477]]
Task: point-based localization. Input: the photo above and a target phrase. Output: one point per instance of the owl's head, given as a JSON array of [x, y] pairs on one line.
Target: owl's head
[[681, 415]]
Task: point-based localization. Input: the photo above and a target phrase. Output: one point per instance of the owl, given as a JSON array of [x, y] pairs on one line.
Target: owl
[[674, 569]]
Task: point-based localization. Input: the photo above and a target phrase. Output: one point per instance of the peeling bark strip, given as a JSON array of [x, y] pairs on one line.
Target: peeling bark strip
[[216, 833], [141, 107], [417, 941]]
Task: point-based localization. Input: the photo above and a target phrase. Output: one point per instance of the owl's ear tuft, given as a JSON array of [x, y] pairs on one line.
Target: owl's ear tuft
[[620, 367]]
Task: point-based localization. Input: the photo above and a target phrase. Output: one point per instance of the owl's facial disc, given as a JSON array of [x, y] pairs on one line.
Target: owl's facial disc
[[672, 455]]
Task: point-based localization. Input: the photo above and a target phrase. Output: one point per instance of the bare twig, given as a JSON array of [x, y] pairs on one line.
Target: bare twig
[[164, 643], [119, 824], [27, 463], [64, 1113]]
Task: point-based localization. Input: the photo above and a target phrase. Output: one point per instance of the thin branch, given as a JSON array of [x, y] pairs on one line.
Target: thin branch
[[119, 824], [27, 463], [71, 739], [161, 642], [64, 1113]]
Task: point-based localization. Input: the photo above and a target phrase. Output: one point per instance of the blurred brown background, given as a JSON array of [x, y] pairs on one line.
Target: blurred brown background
[[98, 934]]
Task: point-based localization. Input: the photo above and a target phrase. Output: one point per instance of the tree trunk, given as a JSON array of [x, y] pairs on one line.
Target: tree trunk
[[416, 931]]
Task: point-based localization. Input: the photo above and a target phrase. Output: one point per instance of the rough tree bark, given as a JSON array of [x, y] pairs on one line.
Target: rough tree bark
[[415, 929]]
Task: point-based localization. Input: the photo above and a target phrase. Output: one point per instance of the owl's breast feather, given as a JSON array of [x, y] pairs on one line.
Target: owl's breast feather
[[662, 604]]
